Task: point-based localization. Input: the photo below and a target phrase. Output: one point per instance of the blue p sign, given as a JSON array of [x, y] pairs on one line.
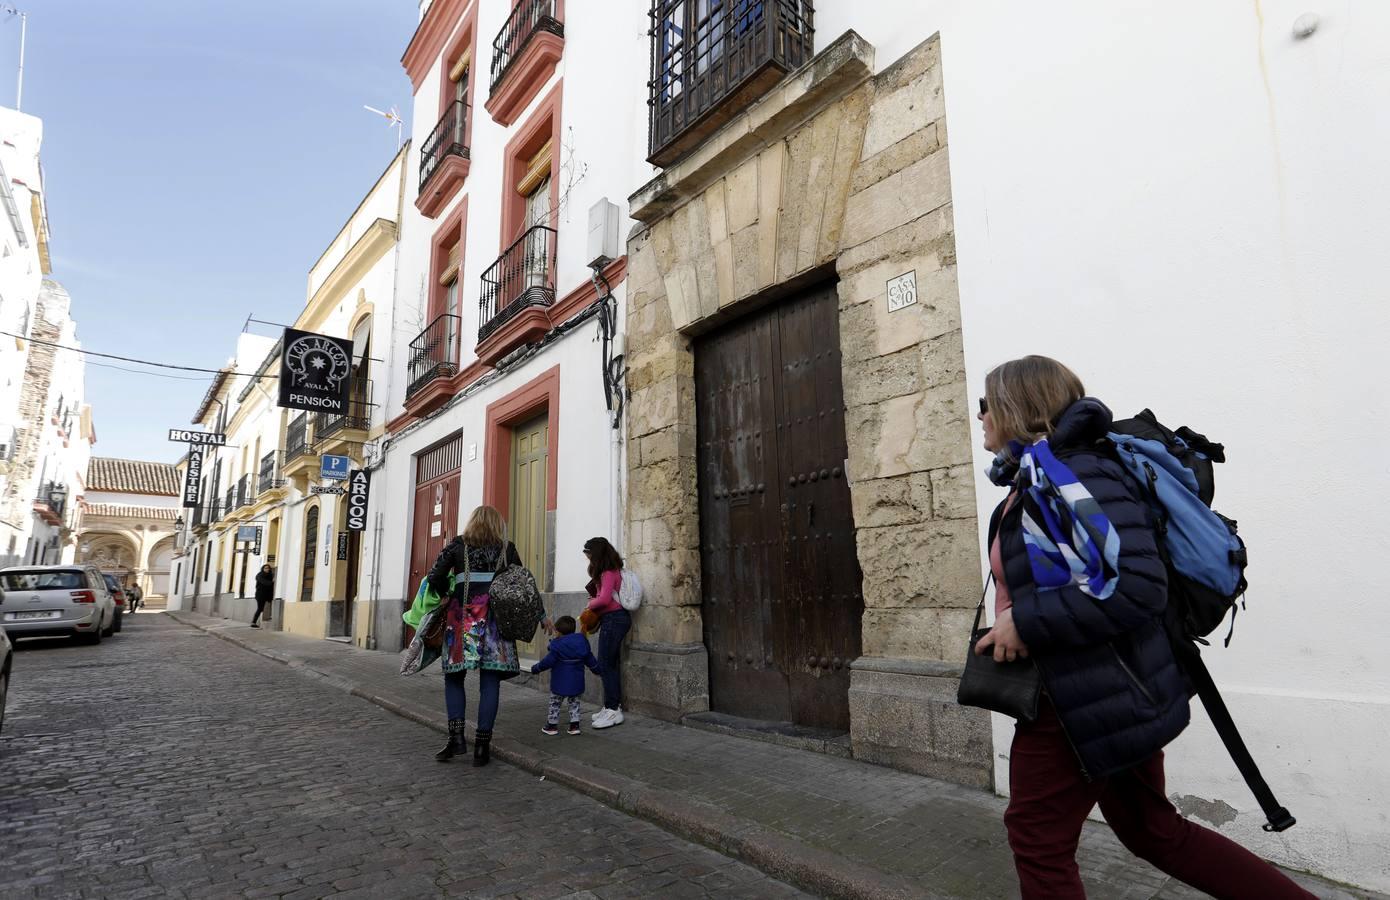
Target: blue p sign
[[336, 468]]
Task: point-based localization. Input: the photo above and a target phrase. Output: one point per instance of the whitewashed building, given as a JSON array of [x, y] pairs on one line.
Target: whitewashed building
[[511, 289], [1183, 202], [260, 505]]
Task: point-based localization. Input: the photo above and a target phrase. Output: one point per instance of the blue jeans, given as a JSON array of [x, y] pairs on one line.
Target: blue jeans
[[456, 701], [612, 628]]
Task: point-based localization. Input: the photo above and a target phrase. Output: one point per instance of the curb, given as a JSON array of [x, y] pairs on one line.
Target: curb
[[818, 871]]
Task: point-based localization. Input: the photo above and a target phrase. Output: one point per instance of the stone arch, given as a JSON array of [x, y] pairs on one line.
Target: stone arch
[[115, 551], [159, 562]]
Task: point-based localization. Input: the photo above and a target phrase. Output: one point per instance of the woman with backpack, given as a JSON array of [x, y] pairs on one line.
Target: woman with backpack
[[605, 581], [1081, 590], [471, 638]]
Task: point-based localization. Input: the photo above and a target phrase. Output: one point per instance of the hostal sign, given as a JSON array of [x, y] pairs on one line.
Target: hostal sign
[[315, 372]]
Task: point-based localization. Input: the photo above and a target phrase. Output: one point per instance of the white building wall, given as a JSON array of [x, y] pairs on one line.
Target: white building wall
[[602, 134], [1185, 203]]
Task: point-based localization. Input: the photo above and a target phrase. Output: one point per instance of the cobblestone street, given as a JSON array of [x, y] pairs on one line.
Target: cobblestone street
[[167, 763]]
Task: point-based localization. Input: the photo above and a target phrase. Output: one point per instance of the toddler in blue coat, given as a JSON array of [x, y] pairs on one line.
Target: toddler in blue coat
[[569, 654]]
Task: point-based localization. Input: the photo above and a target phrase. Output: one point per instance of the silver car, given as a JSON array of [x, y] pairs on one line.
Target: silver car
[[56, 600]]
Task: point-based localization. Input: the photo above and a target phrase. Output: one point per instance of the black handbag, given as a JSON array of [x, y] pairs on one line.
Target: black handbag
[[1011, 688]]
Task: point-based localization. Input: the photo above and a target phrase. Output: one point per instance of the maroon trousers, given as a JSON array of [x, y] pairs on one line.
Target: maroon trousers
[[1049, 803]]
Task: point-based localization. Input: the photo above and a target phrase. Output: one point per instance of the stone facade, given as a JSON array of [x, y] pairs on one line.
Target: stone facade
[[836, 173]]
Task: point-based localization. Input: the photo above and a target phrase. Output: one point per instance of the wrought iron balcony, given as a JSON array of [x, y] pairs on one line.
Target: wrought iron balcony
[[528, 18], [244, 491], [710, 60], [434, 353], [523, 276], [446, 140], [205, 514], [230, 502], [297, 437], [358, 415], [270, 476], [52, 501]]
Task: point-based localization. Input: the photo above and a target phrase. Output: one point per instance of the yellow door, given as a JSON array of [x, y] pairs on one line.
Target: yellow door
[[528, 489]]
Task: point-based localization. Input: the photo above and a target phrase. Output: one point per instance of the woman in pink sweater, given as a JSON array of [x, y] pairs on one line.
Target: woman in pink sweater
[[605, 580]]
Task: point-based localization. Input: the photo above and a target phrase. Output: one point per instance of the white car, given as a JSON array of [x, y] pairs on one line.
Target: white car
[[56, 600]]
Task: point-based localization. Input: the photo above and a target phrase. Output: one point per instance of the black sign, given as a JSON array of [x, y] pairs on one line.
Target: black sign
[[209, 438], [315, 372], [358, 483], [342, 546], [194, 479]]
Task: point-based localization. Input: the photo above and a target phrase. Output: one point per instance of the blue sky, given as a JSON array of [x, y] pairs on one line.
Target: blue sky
[[198, 157]]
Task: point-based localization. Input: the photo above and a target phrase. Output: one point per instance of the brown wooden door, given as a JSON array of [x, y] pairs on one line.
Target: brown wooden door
[[782, 599], [435, 520]]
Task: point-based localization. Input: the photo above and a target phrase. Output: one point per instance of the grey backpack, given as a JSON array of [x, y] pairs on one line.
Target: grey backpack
[[514, 600]]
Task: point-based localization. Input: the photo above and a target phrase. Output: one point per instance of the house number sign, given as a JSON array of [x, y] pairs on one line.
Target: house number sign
[[902, 291]]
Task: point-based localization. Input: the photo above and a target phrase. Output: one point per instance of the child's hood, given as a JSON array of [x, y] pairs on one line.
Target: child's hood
[[571, 646]]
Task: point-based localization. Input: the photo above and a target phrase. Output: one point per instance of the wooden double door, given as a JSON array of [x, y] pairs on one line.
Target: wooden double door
[[436, 511], [782, 601]]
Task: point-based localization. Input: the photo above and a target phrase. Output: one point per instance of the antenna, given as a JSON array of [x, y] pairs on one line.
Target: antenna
[[393, 120], [23, 32]]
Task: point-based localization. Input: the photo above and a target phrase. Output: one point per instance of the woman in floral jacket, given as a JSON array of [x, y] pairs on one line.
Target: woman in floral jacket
[[471, 641]]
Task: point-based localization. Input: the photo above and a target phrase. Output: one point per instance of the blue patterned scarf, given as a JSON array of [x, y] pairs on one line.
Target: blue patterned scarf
[[1074, 543]]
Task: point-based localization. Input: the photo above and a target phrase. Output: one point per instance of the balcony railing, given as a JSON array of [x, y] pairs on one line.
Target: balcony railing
[[446, 140], [528, 18], [297, 437], [244, 491], [54, 496], [709, 60], [269, 476], [434, 353], [523, 276], [358, 413], [205, 514], [230, 502]]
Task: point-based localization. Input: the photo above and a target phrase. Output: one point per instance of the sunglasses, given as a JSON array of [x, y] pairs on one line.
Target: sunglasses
[[984, 406]]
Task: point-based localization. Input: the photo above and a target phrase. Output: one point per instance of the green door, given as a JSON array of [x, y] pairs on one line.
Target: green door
[[530, 457]]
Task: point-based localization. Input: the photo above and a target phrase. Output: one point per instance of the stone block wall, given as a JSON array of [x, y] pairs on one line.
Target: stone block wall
[[835, 174]]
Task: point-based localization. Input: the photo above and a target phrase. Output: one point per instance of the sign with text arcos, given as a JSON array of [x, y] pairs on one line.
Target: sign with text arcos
[[359, 484], [315, 372]]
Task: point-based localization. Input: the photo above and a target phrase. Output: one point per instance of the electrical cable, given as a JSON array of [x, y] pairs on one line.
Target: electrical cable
[[198, 378], [129, 359]]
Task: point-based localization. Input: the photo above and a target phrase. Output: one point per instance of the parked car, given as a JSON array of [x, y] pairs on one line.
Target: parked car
[[6, 655], [56, 600], [118, 594]]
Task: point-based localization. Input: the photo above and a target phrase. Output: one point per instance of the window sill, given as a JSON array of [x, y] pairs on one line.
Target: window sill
[[443, 185], [524, 80]]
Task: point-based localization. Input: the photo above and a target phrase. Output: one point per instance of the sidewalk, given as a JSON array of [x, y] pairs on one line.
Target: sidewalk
[[833, 826]]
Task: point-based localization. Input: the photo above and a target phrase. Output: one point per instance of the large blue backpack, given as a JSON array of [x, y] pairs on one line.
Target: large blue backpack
[[1206, 560], [1205, 556]]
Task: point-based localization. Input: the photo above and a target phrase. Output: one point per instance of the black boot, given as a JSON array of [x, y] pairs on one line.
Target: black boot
[[482, 748], [457, 742]]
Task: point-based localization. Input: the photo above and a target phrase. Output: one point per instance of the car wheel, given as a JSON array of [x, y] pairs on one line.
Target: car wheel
[[120, 620], [110, 628], [95, 636]]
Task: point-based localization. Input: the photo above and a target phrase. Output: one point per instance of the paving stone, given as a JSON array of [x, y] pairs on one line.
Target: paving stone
[[187, 767]]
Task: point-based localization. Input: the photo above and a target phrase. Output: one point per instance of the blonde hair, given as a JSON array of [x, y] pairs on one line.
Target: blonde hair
[[485, 528], [1026, 397]]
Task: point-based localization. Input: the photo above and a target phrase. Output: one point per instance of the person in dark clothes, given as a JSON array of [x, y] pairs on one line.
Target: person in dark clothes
[[1086, 604], [265, 593], [569, 654]]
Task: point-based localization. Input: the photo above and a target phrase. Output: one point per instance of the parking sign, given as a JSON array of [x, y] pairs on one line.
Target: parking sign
[[335, 468]]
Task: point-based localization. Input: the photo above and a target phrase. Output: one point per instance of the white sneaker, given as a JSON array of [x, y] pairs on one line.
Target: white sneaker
[[601, 714], [600, 718], [614, 717]]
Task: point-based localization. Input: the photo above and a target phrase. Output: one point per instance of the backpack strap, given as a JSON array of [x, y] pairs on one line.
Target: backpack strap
[[1278, 818]]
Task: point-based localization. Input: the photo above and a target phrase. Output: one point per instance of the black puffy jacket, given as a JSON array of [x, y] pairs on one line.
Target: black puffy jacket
[[1106, 664], [456, 555]]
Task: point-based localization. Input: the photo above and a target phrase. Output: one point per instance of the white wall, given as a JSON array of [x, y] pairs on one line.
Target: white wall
[[1185, 203]]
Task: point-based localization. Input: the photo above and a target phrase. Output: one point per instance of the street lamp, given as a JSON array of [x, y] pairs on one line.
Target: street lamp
[[57, 496]]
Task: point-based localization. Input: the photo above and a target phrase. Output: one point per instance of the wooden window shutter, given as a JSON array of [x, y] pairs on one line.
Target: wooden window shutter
[[464, 62], [536, 171], [451, 270]]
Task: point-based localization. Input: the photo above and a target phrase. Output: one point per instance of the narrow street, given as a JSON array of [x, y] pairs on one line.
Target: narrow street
[[167, 763]]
